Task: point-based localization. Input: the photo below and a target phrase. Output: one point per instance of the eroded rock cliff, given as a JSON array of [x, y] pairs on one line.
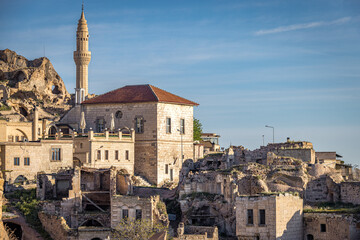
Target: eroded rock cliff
[[25, 83]]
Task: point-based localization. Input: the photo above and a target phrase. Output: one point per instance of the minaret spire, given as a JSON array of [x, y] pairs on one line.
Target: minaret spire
[[82, 57]]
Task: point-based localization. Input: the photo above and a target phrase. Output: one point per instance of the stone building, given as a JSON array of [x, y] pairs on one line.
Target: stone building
[[92, 203], [210, 142], [331, 226], [277, 216], [21, 161], [163, 124], [104, 150], [196, 232]]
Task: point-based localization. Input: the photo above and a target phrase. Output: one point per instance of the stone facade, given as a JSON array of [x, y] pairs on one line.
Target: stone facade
[[331, 226], [104, 150], [269, 217], [350, 192], [322, 189], [196, 233], [157, 152], [21, 161]]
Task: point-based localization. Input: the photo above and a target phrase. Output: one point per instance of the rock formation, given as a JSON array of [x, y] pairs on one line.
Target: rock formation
[[25, 83]]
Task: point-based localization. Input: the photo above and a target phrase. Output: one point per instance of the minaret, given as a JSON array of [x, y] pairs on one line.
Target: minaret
[[82, 57]]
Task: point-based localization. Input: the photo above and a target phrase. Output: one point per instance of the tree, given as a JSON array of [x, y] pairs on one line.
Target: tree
[[197, 130], [131, 229]]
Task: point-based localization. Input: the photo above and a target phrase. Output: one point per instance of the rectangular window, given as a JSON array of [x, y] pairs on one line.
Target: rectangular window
[[98, 155], [139, 125], [126, 155], [106, 154], [323, 227], [138, 215], [100, 125], [116, 155], [171, 175], [262, 217], [55, 154], [250, 217], [168, 125], [26, 161], [125, 213], [166, 168], [16, 161], [182, 126]]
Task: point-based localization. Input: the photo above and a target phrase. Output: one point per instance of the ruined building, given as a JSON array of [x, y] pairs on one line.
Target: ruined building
[[89, 203]]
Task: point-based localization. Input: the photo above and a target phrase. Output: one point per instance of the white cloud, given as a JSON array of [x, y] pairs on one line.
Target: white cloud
[[302, 26]]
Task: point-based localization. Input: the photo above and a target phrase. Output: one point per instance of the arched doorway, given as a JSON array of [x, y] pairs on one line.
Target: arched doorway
[[76, 162], [20, 179], [309, 237], [52, 131]]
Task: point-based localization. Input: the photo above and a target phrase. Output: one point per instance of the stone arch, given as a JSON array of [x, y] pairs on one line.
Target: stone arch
[[23, 134], [4, 92], [20, 76], [52, 130], [309, 237], [76, 162], [125, 130], [20, 179], [91, 223]]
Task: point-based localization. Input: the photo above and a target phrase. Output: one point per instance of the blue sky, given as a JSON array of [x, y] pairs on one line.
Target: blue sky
[[294, 65]]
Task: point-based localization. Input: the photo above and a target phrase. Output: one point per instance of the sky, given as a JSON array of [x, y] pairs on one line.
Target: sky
[[293, 65]]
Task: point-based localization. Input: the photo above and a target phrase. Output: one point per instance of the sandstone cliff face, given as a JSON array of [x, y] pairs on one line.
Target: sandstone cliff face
[[25, 83]]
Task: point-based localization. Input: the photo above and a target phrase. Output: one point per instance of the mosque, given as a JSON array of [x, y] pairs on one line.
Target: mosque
[[162, 121]]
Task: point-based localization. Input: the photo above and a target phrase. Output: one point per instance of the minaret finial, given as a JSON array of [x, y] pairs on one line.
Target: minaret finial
[[82, 7]]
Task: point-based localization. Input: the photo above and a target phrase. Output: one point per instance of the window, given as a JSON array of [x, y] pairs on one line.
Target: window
[[182, 126], [55, 154], [98, 155], [250, 217], [139, 125], [262, 217], [171, 175], [81, 145], [166, 168], [16, 161], [106, 154], [100, 125], [323, 227], [116, 155], [138, 214], [126, 155], [26, 161], [125, 213], [168, 125]]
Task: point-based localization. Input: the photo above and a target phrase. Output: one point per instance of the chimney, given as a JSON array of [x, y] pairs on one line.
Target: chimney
[[35, 124]]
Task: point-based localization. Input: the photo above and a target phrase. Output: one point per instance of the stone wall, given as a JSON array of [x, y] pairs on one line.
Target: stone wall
[[331, 226], [283, 217], [350, 192], [305, 154], [191, 232], [56, 226], [39, 154], [132, 203], [322, 189]]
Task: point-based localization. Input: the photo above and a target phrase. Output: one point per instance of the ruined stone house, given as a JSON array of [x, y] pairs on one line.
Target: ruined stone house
[[92, 202], [331, 226]]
